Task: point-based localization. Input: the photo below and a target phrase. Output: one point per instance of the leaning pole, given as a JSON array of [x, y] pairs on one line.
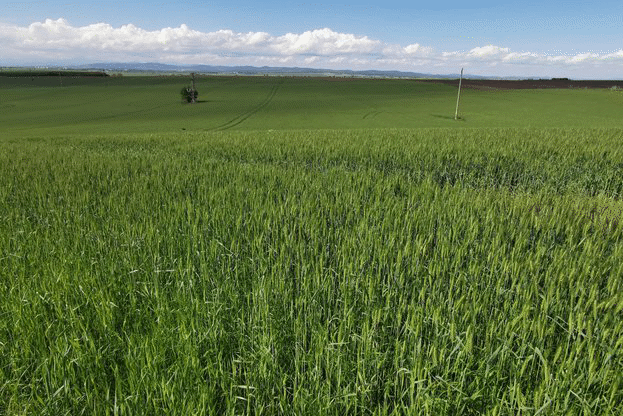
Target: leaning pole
[[458, 97], [192, 92]]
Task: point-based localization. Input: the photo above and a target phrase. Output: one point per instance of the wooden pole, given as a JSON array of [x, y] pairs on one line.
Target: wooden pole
[[192, 92], [458, 97]]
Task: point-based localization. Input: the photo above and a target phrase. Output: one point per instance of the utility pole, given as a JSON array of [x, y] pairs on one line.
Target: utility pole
[[192, 92], [458, 97]]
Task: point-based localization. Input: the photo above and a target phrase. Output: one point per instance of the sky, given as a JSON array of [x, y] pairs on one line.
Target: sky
[[574, 39]]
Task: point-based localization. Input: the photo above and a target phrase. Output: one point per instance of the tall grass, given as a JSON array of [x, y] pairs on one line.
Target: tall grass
[[328, 272]]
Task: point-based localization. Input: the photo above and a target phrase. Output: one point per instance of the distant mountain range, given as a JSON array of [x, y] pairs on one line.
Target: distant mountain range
[[265, 70]]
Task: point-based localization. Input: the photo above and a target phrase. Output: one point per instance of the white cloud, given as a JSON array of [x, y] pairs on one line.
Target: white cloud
[[487, 51], [323, 42], [583, 57], [618, 54], [57, 41], [59, 33], [412, 49], [310, 60], [416, 49], [518, 57]]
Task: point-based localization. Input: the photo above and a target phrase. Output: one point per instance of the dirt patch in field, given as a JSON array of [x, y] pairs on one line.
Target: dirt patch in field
[[487, 84]]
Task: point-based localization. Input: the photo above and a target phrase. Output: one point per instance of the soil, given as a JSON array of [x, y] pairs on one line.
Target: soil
[[490, 84]]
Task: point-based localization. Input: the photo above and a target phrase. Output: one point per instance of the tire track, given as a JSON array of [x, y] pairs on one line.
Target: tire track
[[242, 117], [372, 114]]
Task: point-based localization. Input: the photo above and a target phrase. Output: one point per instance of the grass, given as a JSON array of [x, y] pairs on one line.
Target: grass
[[312, 271]]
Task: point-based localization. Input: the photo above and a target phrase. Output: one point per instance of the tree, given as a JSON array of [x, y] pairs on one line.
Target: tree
[[189, 94]]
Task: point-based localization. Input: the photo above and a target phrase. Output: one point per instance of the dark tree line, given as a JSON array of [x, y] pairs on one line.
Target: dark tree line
[[52, 74]]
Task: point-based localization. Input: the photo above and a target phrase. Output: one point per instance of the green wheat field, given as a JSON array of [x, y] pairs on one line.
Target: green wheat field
[[302, 246]]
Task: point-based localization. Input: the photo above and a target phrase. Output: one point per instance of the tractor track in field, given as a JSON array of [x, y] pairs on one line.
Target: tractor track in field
[[371, 114], [244, 116]]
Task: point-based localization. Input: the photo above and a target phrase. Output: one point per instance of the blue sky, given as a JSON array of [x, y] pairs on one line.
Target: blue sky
[[577, 39]]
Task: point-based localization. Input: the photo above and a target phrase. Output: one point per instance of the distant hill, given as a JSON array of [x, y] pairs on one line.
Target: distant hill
[[265, 70], [253, 70]]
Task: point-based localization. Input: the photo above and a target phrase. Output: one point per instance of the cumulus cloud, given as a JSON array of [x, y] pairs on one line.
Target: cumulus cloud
[[59, 34], [323, 42], [416, 49], [57, 41], [487, 52]]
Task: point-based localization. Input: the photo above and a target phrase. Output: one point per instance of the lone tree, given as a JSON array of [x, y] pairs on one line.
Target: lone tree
[[190, 94]]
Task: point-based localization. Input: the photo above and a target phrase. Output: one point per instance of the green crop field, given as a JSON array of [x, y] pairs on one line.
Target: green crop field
[[303, 246], [41, 106]]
